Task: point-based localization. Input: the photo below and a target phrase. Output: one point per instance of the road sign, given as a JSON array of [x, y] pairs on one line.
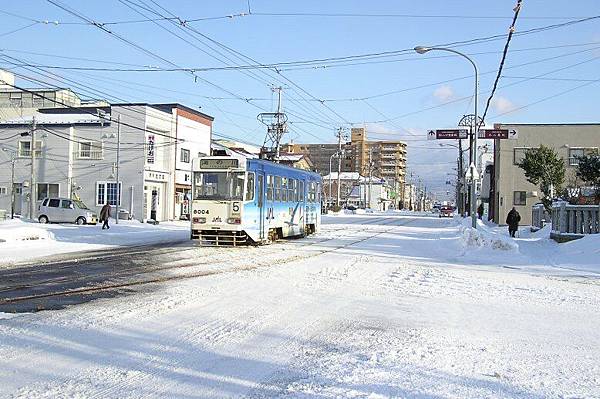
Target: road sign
[[471, 173], [447, 134], [498, 134]]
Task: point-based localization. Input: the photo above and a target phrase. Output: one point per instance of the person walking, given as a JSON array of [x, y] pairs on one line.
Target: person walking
[[104, 216], [480, 210], [512, 219]]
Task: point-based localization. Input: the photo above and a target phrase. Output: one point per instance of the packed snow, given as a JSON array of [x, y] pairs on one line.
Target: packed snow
[[375, 306]]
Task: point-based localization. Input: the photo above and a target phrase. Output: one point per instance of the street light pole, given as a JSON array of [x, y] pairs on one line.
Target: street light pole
[[423, 50]]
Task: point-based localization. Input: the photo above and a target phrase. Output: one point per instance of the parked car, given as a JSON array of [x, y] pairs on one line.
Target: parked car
[[65, 210], [446, 211]]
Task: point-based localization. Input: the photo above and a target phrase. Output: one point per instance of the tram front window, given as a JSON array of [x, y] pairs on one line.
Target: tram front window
[[219, 186]]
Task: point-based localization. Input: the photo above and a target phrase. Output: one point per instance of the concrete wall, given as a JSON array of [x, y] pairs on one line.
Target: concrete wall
[[510, 178]]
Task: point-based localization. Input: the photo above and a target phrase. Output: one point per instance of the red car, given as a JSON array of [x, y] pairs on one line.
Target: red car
[[446, 211]]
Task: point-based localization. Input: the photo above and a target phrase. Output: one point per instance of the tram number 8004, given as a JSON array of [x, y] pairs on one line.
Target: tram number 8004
[[201, 212]]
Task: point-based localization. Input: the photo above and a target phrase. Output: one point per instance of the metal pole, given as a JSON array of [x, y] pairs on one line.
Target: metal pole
[[339, 155], [473, 185], [475, 134], [459, 196], [33, 191], [12, 185], [330, 196], [370, 177], [118, 159]]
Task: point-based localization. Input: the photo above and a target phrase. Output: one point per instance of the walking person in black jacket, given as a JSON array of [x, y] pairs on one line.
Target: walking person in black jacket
[[512, 219]]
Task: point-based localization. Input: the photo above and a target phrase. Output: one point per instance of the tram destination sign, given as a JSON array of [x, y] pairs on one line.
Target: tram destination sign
[[501, 134], [447, 134], [218, 163]]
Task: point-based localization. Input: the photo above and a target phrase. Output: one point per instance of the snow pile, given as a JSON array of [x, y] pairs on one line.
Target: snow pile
[[21, 240], [16, 230], [484, 237]]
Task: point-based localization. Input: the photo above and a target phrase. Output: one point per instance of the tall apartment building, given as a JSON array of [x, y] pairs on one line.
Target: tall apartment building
[[385, 159]]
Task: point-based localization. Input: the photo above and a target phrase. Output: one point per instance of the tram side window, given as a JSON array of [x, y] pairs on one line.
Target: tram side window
[[318, 192], [293, 190], [311, 192], [277, 188], [301, 191], [250, 187], [284, 185], [270, 188]]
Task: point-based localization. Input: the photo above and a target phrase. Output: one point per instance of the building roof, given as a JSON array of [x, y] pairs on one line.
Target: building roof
[[55, 119], [344, 176], [166, 107]]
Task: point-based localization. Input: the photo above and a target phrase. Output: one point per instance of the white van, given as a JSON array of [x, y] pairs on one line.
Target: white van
[[65, 210]]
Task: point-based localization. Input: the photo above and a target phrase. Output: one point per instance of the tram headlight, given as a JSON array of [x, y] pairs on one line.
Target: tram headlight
[[199, 220], [234, 221]]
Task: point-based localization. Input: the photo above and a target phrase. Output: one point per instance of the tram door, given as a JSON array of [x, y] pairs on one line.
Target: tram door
[[260, 191]]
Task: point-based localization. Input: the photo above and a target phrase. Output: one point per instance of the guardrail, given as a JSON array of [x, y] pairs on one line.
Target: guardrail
[[570, 222]]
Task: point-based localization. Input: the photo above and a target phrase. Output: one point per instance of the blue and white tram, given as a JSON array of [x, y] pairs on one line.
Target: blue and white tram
[[237, 201]]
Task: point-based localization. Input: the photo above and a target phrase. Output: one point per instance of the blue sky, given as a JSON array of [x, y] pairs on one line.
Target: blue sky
[[395, 108]]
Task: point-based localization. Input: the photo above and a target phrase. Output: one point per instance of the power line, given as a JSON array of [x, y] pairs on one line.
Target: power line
[[511, 31]]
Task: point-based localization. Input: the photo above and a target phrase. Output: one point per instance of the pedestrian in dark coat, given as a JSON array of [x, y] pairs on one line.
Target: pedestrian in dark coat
[[104, 216], [512, 219], [480, 210]]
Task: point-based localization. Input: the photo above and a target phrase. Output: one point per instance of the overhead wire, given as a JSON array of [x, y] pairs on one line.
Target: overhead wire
[[511, 31]]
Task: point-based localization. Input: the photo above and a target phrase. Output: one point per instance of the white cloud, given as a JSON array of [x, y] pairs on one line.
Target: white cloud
[[502, 104], [443, 93]]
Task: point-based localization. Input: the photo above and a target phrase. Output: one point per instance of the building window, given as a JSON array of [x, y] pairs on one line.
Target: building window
[[185, 155], [150, 149], [576, 153], [25, 148], [47, 190], [277, 188], [520, 198], [90, 150], [270, 188], [106, 192], [250, 187], [519, 155], [3, 191]]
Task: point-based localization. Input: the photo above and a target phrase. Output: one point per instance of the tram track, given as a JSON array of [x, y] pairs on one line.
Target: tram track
[[132, 271], [115, 286]]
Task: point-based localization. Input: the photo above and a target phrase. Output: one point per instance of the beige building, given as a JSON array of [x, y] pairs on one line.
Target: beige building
[[320, 156], [510, 187], [385, 159]]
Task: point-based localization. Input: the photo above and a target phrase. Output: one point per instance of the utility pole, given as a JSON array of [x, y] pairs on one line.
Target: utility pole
[[370, 174], [12, 181], [276, 123], [33, 191], [339, 134], [459, 196], [118, 159]]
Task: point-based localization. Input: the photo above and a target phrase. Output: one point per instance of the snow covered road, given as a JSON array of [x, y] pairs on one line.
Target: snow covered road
[[383, 305]]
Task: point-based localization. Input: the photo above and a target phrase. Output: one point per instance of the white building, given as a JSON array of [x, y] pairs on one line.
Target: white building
[[76, 156]]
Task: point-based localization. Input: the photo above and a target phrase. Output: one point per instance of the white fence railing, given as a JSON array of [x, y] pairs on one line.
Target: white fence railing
[[574, 221], [539, 217]]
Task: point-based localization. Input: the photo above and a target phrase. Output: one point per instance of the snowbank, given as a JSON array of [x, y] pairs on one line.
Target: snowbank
[[16, 230], [21, 240], [486, 237]]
